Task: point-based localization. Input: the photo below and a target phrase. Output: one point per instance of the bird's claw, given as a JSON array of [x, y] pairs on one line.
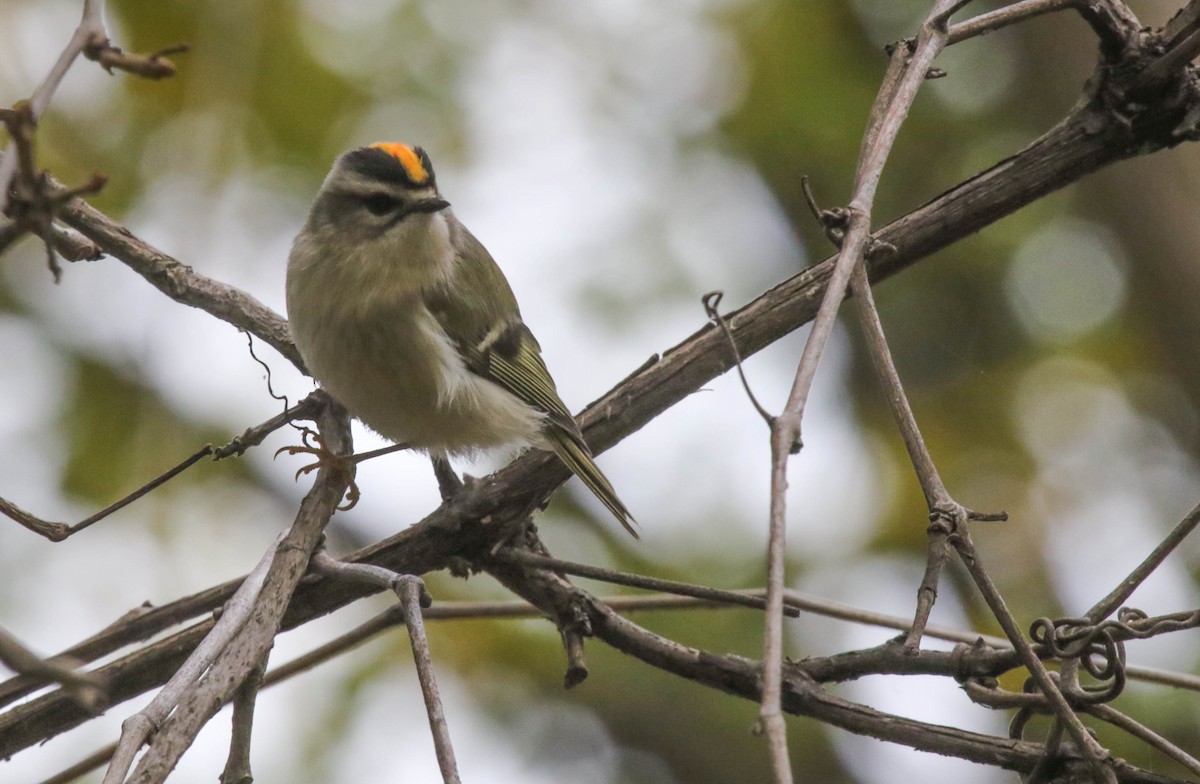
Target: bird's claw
[[325, 458]]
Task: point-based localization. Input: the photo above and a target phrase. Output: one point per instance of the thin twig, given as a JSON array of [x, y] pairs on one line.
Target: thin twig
[[305, 409], [68, 243], [844, 612], [855, 239], [509, 609], [143, 623], [412, 594], [712, 302], [937, 497], [413, 597], [934, 490], [1106, 606], [174, 278], [89, 38], [1003, 17], [91, 23], [942, 507], [57, 532], [30, 209], [525, 558], [1146, 735], [930, 480], [577, 669], [742, 677], [87, 689], [518, 608], [149, 66], [367, 574], [93, 761], [360, 457], [448, 482], [158, 481]]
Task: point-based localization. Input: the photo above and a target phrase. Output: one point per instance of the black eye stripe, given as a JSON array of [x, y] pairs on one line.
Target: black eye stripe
[[380, 203]]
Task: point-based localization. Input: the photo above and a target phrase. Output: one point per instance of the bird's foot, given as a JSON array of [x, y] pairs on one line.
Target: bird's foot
[[325, 458]]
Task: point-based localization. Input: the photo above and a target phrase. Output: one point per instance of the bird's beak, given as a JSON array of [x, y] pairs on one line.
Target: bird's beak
[[429, 205]]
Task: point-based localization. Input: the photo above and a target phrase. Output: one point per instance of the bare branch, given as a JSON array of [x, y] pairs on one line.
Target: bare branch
[[1106, 606], [57, 532], [525, 558], [1114, 24], [802, 696], [238, 656], [66, 242], [38, 209], [413, 597], [177, 280], [150, 66], [886, 659], [448, 482], [136, 729], [904, 76], [86, 689], [92, 22], [29, 203], [1147, 735], [237, 765], [936, 495], [1099, 759], [1005, 16], [85, 766], [305, 409]]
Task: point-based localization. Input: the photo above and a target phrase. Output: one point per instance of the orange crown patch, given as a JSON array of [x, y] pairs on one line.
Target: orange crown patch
[[408, 159]]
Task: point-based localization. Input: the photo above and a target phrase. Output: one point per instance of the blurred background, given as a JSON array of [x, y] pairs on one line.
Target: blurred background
[[619, 159]]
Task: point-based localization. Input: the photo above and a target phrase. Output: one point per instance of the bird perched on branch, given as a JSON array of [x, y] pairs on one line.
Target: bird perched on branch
[[405, 318]]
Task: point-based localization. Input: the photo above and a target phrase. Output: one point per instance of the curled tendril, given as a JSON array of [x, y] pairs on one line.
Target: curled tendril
[[1016, 727], [1100, 647], [1097, 647]]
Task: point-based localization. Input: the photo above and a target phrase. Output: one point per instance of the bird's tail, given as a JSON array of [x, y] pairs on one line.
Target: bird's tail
[[578, 458]]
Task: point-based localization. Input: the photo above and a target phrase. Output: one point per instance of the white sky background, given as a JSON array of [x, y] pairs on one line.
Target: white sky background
[[593, 170]]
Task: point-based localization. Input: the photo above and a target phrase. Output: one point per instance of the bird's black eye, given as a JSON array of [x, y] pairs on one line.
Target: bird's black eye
[[380, 203]]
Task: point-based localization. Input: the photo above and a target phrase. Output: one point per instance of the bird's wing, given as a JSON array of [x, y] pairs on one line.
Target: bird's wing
[[514, 361], [511, 357], [489, 334], [495, 344]]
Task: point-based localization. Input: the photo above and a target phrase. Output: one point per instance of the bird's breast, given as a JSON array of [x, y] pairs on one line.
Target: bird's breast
[[394, 368]]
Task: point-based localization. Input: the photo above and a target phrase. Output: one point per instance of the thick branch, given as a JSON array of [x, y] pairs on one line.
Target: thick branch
[[179, 281]]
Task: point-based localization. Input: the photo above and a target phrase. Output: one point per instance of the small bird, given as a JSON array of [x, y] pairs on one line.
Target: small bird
[[403, 316]]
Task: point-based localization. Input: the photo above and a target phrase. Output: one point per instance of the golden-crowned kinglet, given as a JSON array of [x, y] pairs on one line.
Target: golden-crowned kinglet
[[403, 316]]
